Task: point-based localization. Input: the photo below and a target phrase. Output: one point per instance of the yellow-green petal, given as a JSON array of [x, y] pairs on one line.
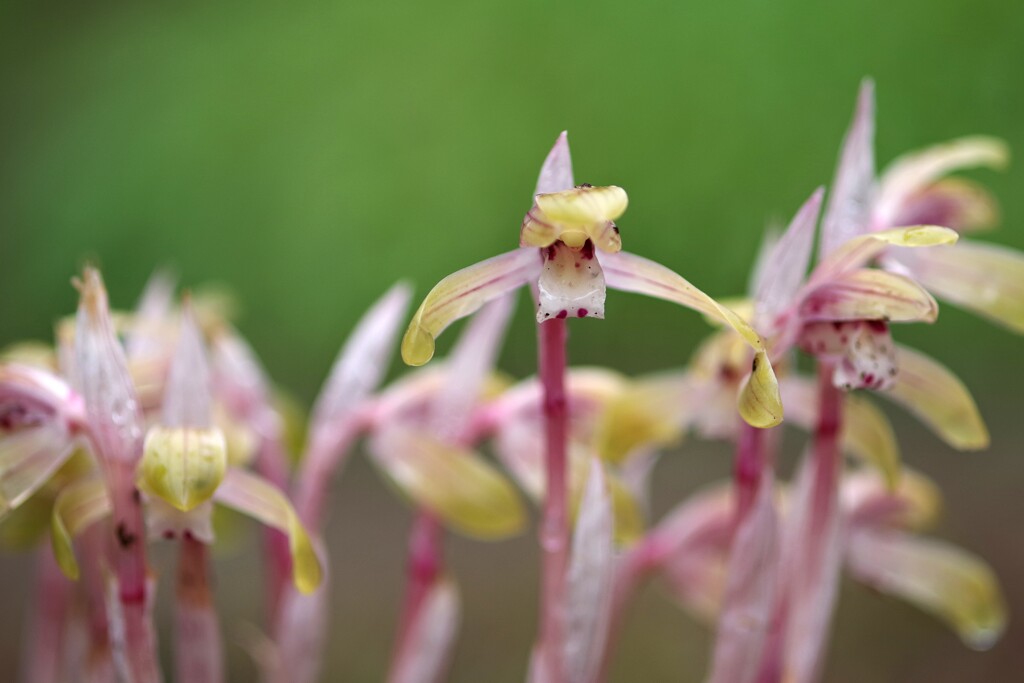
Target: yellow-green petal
[[182, 466], [456, 484], [760, 403], [261, 500], [939, 399], [463, 293], [952, 584], [869, 437]]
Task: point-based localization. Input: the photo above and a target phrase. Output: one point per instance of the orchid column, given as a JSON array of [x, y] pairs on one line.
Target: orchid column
[[570, 248]]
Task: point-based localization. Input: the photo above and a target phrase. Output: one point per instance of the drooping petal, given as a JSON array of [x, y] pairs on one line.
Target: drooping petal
[[749, 592], [556, 173], [759, 402], [363, 359], [956, 203], [28, 458], [428, 647], [914, 171], [859, 250], [454, 483], [102, 378], [463, 293], [866, 434], [987, 279], [863, 352], [872, 504], [853, 188], [589, 583], [79, 506], [571, 284], [870, 294], [644, 415], [785, 264], [467, 370], [939, 399], [261, 500], [952, 584]]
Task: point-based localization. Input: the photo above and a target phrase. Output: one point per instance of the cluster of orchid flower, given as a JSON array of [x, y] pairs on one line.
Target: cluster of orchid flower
[[134, 425]]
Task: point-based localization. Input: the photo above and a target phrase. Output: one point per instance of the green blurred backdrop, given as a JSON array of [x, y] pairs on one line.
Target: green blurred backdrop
[[307, 155]]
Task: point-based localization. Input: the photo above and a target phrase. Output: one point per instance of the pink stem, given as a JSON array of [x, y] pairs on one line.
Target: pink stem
[[317, 471], [48, 615], [92, 587], [554, 528], [749, 468], [128, 560], [423, 569], [198, 651], [826, 467]]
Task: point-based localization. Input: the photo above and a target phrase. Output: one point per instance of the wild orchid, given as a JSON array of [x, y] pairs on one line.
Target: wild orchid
[[915, 190], [570, 250]]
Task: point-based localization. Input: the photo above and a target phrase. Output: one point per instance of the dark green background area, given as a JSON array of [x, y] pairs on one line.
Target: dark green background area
[[308, 155]]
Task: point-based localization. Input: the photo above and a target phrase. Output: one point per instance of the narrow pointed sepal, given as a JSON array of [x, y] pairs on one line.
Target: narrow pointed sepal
[[556, 172], [463, 293], [860, 250], [427, 649], [254, 496], [79, 506]]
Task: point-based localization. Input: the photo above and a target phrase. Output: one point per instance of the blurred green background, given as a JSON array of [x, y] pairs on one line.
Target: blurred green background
[[307, 155]]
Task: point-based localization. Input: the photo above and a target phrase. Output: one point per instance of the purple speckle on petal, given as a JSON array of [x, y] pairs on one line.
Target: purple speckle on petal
[[562, 314], [582, 313]]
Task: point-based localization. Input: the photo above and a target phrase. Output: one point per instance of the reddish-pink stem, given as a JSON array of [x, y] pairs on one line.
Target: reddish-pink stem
[[554, 528], [198, 650], [422, 571], [92, 588], [128, 560], [826, 466], [748, 469], [47, 616]]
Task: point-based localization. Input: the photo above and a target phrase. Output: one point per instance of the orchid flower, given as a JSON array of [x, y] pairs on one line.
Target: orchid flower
[[985, 278], [881, 546], [570, 249]]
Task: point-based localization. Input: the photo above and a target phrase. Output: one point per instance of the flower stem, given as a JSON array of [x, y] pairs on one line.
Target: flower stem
[[554, 529], [48, 615], [423, 569], [198, 650], [749, 468], [132, 601]]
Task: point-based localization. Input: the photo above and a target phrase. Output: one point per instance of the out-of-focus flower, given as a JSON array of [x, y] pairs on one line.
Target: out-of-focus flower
[[914, 190]]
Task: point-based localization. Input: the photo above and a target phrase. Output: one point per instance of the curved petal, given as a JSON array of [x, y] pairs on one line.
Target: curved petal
[[939, 399], [456, 484], [79, 506], [261, 500], [870, 294], [853, 187], [957, 203], [556, 172], [911, 172], [987, 279], [785, 264], [759, 403], [463, 293], [589, 582], [28, 458], [953, 584]]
